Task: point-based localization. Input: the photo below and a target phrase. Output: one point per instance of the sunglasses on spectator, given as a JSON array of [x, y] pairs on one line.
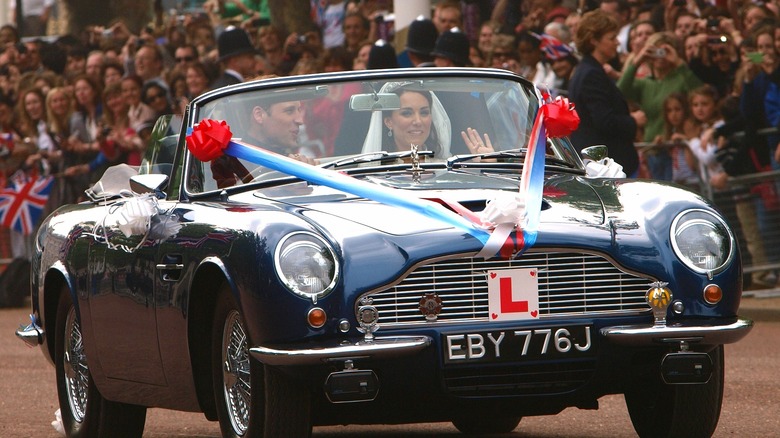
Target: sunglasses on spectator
[[185, 59], [153, 97], [502, 54]]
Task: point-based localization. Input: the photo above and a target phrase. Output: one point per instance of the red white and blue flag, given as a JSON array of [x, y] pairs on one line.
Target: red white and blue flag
[[21, 204], [532, 179], [553, 48]]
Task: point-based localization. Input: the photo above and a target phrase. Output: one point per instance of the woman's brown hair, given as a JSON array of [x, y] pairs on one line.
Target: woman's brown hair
[[593, 25]]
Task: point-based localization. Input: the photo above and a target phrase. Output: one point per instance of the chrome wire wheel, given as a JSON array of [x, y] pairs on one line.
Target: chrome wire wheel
[[75, 366], [235, 372]]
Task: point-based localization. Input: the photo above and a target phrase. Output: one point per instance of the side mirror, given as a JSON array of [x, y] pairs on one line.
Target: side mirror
[[595, 153], [374, 102], [151, 183]]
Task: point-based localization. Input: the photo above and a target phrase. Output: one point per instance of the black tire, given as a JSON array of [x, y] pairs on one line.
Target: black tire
[[482, 425], [661, 410], [252, 400], [85, 413]]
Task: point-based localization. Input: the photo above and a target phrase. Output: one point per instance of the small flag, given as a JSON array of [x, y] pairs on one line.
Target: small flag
[[21, 204], [553, 48]]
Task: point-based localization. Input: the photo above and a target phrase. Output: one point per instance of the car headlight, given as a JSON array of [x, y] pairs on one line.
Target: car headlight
[[702, 240], [307, 265]]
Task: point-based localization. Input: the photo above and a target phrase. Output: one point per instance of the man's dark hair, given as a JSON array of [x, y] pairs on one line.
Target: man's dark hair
[[53, 57]]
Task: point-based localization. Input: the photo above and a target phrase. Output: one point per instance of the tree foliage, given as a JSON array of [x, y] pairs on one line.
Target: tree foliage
[[82, 13], [291, 15]]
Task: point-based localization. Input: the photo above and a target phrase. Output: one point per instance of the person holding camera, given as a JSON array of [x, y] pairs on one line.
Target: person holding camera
[[669, 74], [715, 60], [759, 97]]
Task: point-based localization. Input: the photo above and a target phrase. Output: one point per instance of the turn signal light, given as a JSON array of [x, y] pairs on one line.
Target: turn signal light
[[316, 317], [713, 294]]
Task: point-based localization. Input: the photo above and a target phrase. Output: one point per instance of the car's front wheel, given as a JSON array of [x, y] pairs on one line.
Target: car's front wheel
[[661, 410], [85, 413], [253, 400]]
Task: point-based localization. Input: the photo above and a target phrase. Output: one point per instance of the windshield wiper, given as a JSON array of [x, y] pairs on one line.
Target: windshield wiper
[[495, 154], [371, 157], [505, 154]]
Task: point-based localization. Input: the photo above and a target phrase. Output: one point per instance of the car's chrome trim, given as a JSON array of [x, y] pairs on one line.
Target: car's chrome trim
[[31, 334], [379, 348], [640, 335]]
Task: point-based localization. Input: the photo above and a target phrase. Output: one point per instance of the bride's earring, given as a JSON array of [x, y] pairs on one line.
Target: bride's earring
[[390, 133]]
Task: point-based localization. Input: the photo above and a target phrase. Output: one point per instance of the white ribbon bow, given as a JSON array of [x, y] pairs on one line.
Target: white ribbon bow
[[504, 212], [604, 168], [135, 214]]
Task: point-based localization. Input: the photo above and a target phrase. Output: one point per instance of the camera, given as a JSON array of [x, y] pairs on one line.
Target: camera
[[302, 39], [658, 52], [720, 39], [713, 22]]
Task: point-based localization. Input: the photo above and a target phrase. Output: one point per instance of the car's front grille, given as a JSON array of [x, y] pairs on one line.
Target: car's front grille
[[570, 284]]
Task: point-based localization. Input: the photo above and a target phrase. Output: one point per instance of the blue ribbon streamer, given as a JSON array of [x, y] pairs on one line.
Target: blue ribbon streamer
[[347, 184]]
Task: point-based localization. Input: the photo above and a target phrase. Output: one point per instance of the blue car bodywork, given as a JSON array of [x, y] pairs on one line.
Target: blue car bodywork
[[402, 331]]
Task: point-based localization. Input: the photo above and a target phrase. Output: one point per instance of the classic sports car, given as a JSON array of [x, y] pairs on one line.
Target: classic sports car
[[443, 259]]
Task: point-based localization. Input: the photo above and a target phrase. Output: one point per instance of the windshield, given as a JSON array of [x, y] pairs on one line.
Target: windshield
[[372, 123]]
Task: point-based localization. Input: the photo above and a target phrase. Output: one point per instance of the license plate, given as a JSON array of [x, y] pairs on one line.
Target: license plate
[[518, 345]]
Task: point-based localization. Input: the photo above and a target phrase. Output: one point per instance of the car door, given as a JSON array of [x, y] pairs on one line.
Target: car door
[[122, 307]]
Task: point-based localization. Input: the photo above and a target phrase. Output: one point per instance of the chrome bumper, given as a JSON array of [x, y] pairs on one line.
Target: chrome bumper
[[379, 348], [31, 334], [700, 334]]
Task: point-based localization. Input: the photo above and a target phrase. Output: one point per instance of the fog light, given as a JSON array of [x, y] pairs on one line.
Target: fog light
[[713, 294], [316, 317]]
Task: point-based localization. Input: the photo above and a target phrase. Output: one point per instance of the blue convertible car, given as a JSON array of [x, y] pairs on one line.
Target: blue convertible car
[[363, 247]]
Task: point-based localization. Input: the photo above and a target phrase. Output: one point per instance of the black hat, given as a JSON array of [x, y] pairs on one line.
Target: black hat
[[421, 37], [382, 55], [453, 45], [234, 41]]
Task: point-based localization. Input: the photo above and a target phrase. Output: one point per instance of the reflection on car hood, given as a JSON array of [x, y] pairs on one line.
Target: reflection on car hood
[[566, 199]]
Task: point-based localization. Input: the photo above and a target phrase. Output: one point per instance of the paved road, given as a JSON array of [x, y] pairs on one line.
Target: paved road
[[751, 407]]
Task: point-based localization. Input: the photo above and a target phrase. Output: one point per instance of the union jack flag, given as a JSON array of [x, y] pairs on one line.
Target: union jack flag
[[552, 47], [21, 204]]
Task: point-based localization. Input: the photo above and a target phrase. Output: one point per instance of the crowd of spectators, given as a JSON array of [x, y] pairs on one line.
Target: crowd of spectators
[[691, 71]]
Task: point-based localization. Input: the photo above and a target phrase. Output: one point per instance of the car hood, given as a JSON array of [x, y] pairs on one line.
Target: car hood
[[628, 220], [567, 198]]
